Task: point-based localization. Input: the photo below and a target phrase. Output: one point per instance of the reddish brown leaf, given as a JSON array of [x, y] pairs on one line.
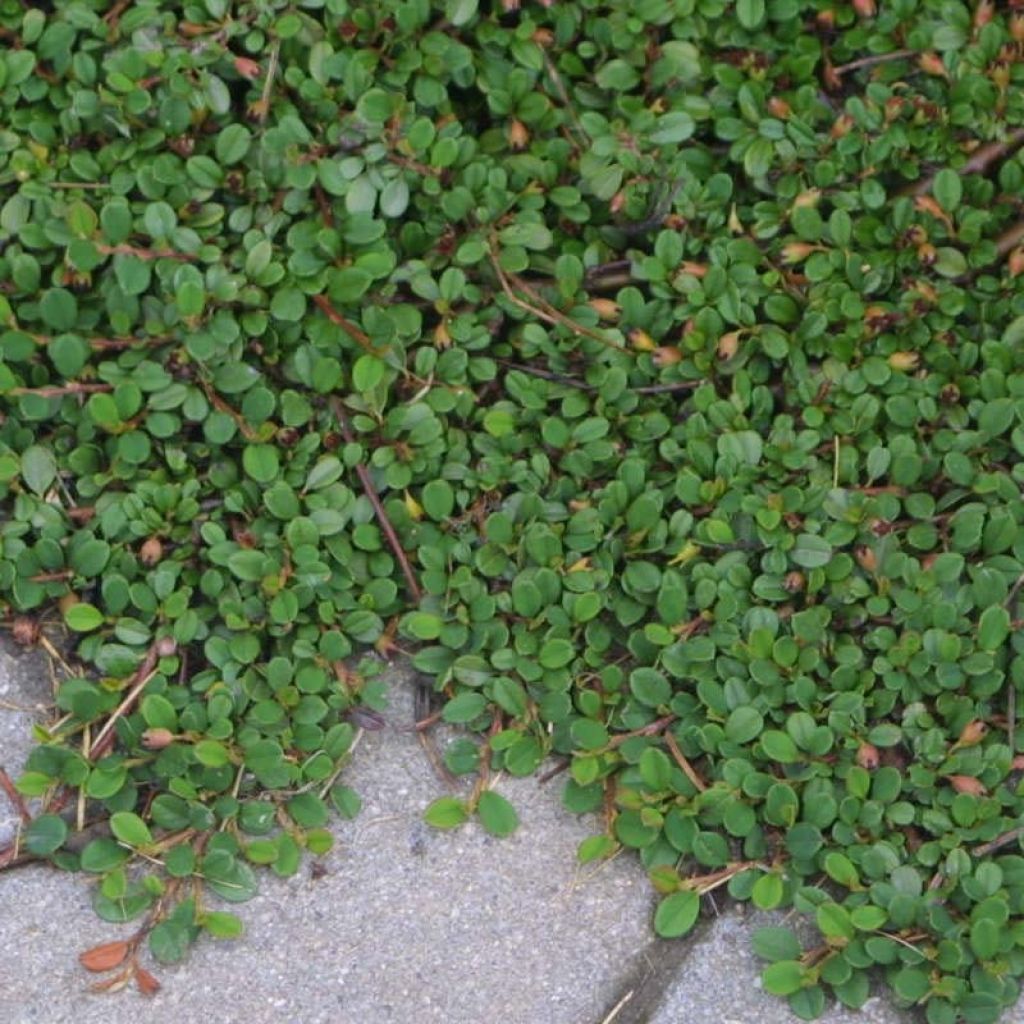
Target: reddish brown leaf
[[105, 957], [148, 985]]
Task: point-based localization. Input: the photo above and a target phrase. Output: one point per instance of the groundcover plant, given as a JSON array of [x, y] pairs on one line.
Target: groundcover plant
[[649, 372]]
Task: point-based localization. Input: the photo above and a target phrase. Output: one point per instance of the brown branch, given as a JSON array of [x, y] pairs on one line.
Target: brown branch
[[556, 78], [871, 61], [378, 509], [681, 760], [51, 577], [108, 344], [999, 842], [143, 674], [552, 772], [73, 388], [543, 310], [651, 729], [355, 333], [144, 254], [17, 801], [979, 162], [221, 406], [575, 382]]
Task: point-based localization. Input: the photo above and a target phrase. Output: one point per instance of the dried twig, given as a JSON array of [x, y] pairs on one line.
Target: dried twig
[[556, 78], [999, 842], [17, 801], [143, 674], [355, 333], [872, 60], [378, 509], [74, 388], [542, 309], [144, 254], [980, 161], [229, 410], [683, 762]]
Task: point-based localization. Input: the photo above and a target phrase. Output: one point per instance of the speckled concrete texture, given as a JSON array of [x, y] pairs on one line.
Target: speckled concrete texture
[[407, 924]]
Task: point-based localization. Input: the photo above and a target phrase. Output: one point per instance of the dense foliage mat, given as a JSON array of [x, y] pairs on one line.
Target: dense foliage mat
[[651, 372]]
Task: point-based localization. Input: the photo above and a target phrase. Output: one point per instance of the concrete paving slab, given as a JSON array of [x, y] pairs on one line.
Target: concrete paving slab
[[407, 924]]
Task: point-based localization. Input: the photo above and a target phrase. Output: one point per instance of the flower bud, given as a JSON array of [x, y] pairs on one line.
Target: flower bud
[[24, 631], [247, 67], [641, 340], [151, 552], [796, 252], [166, 646], [1015, 262], [865, 8], [413, 507], [967, 784], [666, 355], [904, 361], [841, 126], [606, 309], [1017, 27], [931, 64], [809, 197], [867, 756], [442, 339], [518, 134], [973, 732], [728, 345], [794, 582], [157, 739], [779, 108], [866, 558]]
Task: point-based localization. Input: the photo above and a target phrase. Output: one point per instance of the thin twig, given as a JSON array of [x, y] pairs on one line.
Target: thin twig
[[268, 85], [873, 59], [355, 333], [371, 493], [144, 254], [979, 162], [556, 78], [229, 410], [683, 762], [617, 1008], [15, 797], [999, 842], [143, 674], [73, 388], [552, 772], [542, 309], [77, 184]]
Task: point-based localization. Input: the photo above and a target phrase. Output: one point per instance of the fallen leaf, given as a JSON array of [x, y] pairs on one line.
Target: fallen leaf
[[105, 957]]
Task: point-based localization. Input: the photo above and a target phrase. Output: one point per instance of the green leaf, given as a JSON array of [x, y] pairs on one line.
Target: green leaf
[[783, 977], [446, 812], [83, 618], [222, 925], [993, 628], [38, 468], [677, 914], [496, 814], [261, 462], [45, 834], [130, 829], [811, 551], [947, 189]]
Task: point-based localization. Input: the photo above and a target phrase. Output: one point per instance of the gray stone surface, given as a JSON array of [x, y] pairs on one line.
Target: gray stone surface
[[407, 924]]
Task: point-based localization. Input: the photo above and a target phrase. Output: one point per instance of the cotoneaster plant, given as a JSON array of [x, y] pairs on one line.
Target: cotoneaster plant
[[651, 374]]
